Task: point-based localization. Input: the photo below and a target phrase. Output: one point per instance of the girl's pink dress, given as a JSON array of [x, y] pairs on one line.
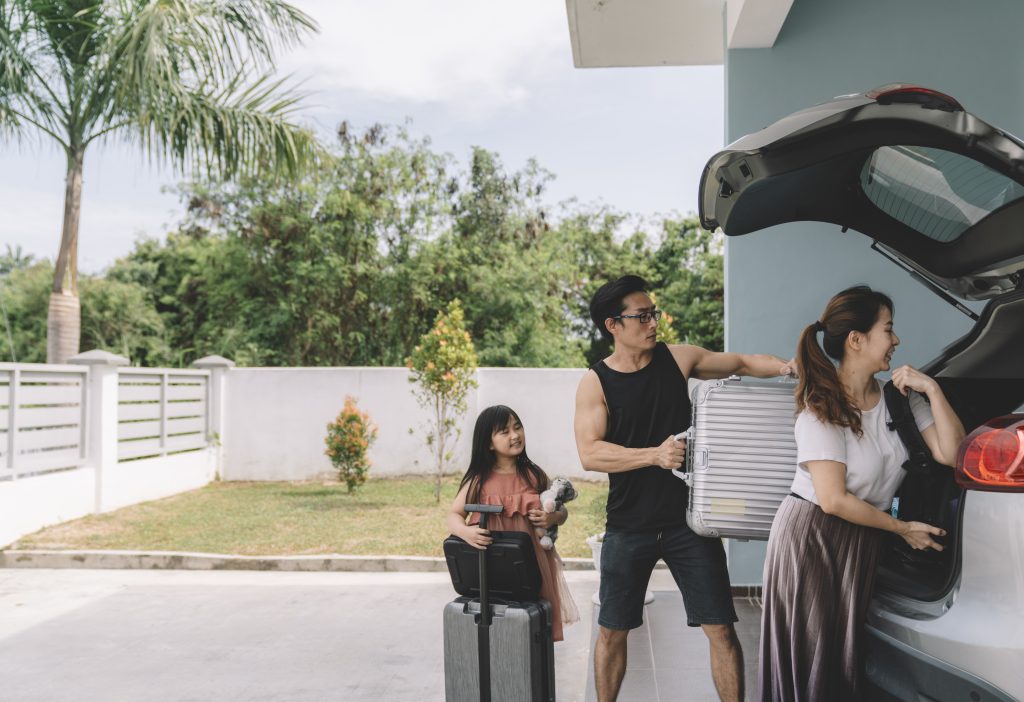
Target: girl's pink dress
[[518, 498]]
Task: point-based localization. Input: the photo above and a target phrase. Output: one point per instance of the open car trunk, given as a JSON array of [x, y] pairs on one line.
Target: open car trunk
[[982, 376], [939, 191]]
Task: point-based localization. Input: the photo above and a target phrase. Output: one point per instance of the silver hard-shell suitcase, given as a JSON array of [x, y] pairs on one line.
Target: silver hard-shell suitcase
[[522, 651], [740, 456]]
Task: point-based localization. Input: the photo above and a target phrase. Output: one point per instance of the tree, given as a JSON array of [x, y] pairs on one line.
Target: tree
[[14, 258], [190, 81], [690, 279], [177, 276], [320, 270], [117, 316], [23, 288], [442, 367], [348, 440], [350, 264], [506, 264], [666, 332]]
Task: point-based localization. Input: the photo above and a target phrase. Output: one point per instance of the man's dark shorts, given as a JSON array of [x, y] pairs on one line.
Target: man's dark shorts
[[697, 563]]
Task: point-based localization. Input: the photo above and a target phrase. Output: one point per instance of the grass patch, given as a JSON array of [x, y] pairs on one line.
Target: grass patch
[[392, 516]]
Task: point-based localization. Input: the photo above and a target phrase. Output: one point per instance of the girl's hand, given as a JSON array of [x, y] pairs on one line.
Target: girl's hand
[[477, 538], [907, 378], [541, 519], [919, 535]]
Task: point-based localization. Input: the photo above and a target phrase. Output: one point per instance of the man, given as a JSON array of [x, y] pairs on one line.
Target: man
[[629, 407]]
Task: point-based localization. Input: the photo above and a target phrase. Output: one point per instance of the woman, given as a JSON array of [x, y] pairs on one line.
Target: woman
[[824, 544]]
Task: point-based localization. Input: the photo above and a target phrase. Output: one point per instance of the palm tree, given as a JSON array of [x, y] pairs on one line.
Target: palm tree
[[189, 81]]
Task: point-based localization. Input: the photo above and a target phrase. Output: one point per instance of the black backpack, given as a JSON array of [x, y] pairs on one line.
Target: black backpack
[[925, 493]]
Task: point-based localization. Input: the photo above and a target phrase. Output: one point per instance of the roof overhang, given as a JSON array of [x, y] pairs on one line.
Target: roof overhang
[[608, 33]]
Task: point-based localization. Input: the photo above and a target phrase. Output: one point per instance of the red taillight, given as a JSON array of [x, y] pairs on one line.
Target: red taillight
[[992, 456], [902, 92]]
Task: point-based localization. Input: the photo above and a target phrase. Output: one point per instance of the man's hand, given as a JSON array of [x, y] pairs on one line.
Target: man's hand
[[789, 368], [670, 453]]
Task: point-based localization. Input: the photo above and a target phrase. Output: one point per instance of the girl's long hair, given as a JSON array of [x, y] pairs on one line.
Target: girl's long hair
[[482, 459], [854, 309]]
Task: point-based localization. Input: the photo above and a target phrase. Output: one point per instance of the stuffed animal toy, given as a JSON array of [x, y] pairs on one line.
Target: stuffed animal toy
[[551, 500]]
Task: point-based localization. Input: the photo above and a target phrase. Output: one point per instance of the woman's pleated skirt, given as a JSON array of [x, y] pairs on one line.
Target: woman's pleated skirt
[[819, 572]]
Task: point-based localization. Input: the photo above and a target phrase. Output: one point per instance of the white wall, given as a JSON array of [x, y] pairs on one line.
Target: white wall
[[131, 482], [29, 504], [276, 419], [545, 399]]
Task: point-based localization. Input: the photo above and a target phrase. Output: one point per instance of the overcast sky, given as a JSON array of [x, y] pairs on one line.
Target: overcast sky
[[465, 73]]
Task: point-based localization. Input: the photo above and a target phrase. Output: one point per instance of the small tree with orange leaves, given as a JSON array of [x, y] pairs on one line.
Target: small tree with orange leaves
[[666, 332], [442, 368], [348, 441]]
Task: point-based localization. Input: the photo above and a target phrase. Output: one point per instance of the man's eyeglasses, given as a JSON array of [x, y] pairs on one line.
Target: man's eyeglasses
[[643, 317]]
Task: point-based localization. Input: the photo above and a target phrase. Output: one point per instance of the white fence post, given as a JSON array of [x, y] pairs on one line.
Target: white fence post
[[12, 421], [215, 403], [102, 444]]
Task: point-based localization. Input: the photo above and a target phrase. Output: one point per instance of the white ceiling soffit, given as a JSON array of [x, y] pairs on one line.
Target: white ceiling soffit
[[668, 32], [755, 24]]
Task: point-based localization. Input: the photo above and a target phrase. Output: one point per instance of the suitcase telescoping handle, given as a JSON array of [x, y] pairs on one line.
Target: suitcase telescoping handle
[[483, 511], [483, 634]]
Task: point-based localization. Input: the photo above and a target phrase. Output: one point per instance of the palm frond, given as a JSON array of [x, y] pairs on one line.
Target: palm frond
[[179, 71], [210, 38], [240, 130], [190, 80], [27, 93]]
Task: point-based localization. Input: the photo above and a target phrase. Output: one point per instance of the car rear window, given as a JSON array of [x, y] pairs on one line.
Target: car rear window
[[938, 193]]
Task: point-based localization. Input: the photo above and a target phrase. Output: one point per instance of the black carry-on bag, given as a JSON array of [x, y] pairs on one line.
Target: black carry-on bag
[[498, 644]]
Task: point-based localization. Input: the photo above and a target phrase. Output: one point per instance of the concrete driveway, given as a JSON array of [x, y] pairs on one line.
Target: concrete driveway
[[122, 635], [184, 636]]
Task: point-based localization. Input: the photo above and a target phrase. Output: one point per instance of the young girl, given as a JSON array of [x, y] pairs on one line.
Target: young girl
[[500, 473]]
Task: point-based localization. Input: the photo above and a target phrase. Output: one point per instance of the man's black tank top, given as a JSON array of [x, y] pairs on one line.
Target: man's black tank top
[[644, 408]]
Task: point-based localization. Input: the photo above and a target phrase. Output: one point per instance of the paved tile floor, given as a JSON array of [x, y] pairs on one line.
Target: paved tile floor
[[667, 660]]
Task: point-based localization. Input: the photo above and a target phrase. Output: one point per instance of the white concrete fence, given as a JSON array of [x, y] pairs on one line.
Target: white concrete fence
[[96, 435]]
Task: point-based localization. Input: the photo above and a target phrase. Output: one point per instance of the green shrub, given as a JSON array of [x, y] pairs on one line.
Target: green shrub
[[348, 441]]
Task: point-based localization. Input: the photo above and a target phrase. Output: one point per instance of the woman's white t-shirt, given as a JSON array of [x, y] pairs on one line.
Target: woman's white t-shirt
[[874, 461]]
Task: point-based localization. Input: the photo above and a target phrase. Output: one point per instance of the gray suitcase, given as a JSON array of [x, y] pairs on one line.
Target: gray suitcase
[[522, 653], [740, 456], [501, 650]]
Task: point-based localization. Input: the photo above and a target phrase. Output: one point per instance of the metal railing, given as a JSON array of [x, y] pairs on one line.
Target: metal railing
[[161, 411], [43, 418]]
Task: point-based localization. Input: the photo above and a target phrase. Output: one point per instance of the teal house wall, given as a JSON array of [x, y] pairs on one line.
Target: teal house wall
[[778, 280]]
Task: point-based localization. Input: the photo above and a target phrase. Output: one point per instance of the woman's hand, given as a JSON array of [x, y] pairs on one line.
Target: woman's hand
[[919, 535], [476, 537], [907, 378], [543, 520]]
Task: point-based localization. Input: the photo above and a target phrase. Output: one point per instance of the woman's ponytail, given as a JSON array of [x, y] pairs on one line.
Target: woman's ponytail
[[819, 389]]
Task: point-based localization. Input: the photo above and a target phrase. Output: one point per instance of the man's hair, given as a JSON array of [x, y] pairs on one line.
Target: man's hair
[[607, 301]]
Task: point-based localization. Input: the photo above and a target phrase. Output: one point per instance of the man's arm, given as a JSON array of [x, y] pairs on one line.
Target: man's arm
[[590, 425], [702, 364]]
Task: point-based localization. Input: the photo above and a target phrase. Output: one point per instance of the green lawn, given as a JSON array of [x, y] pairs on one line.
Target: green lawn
[[395, 516]]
